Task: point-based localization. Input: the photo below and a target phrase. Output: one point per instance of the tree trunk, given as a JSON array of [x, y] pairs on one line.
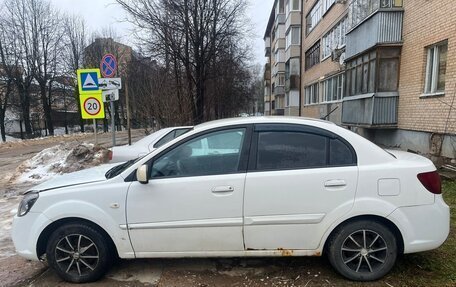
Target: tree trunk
[[25, 109], [76, 96], [2, 125], [47, 109]]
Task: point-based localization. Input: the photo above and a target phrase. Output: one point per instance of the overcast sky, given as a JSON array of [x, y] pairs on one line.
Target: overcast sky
[[101, 14]]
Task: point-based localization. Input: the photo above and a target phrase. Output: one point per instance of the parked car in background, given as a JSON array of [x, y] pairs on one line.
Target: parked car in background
[[254, 186], [146, 144]]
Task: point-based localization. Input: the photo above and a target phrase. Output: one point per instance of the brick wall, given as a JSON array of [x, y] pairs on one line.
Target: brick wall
[[427, 22]]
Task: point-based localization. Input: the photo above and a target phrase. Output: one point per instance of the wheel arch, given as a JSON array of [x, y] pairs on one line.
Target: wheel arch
[[46, 233], [389, 224]]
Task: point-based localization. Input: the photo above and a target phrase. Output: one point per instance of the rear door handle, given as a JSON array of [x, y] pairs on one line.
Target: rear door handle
[[335, 183], [222, 189]]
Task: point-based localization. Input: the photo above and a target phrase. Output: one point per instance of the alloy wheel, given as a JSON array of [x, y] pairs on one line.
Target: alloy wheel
[[77, 254], [364, 251]]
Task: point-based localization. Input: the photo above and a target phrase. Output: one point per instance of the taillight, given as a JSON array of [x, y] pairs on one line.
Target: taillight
[[431, 181], [110, 154]]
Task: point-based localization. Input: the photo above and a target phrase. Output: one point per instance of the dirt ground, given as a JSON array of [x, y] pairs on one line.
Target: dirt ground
[[287, 271]]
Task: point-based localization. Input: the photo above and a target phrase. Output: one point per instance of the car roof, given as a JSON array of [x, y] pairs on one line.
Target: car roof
[[259, 120], [158, 134]]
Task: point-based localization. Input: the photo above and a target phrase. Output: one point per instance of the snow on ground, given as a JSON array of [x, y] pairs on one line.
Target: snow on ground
[[9, 139], [59, 159]]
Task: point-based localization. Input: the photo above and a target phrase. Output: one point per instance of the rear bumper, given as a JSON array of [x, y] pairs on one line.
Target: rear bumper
[[423, 227]]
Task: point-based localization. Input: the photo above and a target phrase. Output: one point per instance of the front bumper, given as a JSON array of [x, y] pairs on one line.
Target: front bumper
[[26, 231], [423, 227]]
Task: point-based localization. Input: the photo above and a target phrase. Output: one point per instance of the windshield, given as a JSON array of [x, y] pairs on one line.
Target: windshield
[[118, 169]]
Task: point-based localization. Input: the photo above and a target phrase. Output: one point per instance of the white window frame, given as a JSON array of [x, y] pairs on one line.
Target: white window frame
[[291, 5], [309, 94], [280, 80], [339, 81], [317, 12], [432, 69], [334, 38]]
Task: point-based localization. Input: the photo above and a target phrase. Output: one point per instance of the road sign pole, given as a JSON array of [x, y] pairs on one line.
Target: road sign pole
[[128, 112], [95, 131], [113, 125]]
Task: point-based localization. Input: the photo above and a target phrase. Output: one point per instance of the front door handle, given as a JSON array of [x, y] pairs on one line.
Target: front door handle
[[222, 189], [335, 183]]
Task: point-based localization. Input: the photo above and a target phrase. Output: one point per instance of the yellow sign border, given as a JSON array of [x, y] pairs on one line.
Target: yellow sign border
[[84, 71], [84, 114]]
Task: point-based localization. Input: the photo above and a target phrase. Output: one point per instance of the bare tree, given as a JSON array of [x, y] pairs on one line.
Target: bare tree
[[189, 36], [75, 39], [17, 28], [6, 80], [46, 35]]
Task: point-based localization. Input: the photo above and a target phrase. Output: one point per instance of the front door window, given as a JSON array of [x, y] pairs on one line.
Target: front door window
[[210, 154]]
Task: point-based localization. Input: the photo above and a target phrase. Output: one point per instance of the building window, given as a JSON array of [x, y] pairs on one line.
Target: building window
[[295, 5], [280, 8], [316, 13], [327, 4], [333, 88], [335, 38], [313, 56], [314, 17], [281, 80], [279, 56], [312, 94], [436, 68], [293, 36], [292, 5]]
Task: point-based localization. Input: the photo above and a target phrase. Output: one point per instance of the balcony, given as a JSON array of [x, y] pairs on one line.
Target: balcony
[[371, 110], [267, 72], [372, 23], [292, 83], [293, 19], [267, 47], [279, 67], [294, 51], [279, 112], [280, 19], [278, 90]]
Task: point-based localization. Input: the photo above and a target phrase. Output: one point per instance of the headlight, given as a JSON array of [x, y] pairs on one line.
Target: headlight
[[27, 202]]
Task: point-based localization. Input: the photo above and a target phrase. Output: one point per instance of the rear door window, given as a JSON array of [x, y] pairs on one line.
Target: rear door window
[[290, 150], [282, 147]]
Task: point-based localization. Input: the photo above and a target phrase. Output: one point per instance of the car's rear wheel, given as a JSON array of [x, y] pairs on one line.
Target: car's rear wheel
[[363, 250], [78, 253]]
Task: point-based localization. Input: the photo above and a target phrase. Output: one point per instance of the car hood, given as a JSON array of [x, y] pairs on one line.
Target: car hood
[[75, 178]]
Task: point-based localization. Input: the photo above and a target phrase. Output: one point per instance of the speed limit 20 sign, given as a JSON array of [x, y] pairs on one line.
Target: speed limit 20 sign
[[92, 106]]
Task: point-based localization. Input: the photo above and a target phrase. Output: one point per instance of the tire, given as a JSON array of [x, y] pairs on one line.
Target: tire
[[363, 250], [78, 253]]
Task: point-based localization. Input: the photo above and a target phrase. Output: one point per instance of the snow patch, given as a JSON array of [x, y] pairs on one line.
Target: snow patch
[[59, 159]]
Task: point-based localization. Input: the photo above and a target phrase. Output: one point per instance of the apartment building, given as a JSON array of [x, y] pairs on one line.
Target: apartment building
[[383, 68], [283, 50], [323, 66], [427, 80]]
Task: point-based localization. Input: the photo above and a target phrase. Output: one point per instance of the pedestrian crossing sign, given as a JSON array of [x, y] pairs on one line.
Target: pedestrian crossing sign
[[88, 81]]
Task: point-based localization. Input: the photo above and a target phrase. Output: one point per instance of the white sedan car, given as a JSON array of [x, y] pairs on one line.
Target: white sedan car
[[146, 144], [254, 186]]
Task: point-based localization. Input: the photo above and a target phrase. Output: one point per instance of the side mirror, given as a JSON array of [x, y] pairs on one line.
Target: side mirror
[[142, 174]]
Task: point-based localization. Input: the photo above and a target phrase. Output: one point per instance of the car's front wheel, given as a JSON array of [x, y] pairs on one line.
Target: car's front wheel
[[363, 250], [78, 253]]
